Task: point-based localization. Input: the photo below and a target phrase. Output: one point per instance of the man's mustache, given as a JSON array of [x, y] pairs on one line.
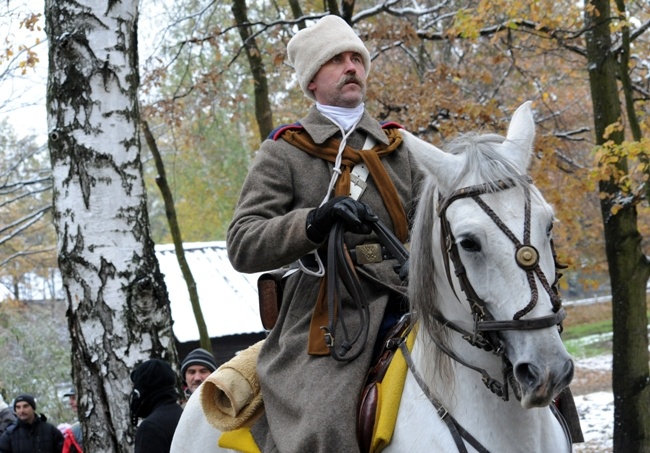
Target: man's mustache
[[350, 78]]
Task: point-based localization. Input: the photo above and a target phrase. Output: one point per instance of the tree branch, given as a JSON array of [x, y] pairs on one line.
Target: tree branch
[[24, 253], [23, 223], [172, 219]]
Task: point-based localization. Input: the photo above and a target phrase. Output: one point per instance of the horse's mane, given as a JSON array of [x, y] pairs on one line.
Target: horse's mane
[[488, 165], [483, 160]]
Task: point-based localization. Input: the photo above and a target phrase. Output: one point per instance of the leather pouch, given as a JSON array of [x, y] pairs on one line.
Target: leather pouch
[[269, 288]]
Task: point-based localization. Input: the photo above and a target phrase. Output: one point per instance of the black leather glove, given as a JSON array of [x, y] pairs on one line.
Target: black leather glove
[[356, 216]]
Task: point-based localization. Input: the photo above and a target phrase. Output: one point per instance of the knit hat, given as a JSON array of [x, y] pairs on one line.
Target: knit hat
[[314, 46], [198, 357], [29, 399]]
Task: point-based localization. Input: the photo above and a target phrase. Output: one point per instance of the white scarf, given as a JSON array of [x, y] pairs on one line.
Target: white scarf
[[343, 117]]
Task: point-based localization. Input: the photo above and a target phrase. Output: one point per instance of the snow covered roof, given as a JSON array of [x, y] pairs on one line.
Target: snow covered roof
[[228, 298]]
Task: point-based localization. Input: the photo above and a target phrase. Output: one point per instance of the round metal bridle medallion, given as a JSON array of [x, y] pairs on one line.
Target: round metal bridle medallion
[[527, 257]]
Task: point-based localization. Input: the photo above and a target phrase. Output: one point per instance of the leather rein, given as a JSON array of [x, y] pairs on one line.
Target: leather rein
[[341, 270]]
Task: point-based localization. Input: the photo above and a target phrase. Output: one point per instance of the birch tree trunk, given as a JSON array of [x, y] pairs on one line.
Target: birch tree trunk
[[118, 308]]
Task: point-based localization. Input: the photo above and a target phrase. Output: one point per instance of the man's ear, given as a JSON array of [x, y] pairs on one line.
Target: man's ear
[[311, 86]]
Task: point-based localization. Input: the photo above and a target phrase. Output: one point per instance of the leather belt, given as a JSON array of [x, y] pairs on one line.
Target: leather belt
[[361, 254], [369, 254]]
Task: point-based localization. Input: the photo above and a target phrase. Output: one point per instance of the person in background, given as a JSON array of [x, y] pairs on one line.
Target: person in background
[[154, 398], [31, 432], [72, 434], [336, 165], [197, 366], [7, 416]]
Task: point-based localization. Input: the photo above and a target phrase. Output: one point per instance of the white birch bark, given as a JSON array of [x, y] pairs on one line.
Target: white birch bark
[[118, 309]]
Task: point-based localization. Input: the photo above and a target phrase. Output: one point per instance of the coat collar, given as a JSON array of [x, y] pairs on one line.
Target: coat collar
[[320, 128]]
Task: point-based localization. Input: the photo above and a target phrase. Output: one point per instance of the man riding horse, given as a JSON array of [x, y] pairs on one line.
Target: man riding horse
[[336, 165]]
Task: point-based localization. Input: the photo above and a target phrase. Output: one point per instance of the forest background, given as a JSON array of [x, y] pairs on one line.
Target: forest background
[[214, 82]]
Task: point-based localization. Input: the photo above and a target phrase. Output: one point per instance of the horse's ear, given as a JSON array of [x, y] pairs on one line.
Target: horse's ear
[[521, 134], [432, 159]]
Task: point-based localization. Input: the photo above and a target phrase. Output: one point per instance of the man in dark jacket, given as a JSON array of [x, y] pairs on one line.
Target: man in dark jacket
[[31, 433], [155, 399]]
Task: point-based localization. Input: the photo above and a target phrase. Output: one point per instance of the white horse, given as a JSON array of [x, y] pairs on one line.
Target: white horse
[[487, 359]]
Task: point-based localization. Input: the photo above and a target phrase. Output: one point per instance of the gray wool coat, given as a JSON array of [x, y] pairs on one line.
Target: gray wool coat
[[310, 401]]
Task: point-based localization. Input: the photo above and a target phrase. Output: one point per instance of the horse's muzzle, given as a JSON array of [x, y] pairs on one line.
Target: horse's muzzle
[[539, 387]]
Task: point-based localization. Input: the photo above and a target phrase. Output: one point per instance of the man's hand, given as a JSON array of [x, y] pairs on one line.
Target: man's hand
[[356, 216]]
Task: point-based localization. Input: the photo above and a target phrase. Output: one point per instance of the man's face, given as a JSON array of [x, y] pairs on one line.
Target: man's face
[[73, 402], [195, 375], [25, 412], [341, 82]]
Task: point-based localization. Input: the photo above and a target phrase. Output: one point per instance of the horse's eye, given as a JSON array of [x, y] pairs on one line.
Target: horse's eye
[[470, 245], [549, 230]]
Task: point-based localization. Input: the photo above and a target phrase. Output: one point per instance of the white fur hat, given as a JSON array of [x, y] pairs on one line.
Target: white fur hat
[[314, 46]]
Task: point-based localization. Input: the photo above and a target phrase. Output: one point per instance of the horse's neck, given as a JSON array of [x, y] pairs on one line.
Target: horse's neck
[[498, 425]]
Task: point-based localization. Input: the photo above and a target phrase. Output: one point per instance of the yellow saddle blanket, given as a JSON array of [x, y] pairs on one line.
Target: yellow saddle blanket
[[390, 395]]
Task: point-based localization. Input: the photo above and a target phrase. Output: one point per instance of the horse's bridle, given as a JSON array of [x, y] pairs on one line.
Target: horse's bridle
[[486, 328]]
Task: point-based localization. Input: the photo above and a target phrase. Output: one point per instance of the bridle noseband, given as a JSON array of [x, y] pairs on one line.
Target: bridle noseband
[[486, 328]]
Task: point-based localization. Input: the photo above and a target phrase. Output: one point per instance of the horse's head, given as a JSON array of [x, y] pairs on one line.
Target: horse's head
[[484, 232]]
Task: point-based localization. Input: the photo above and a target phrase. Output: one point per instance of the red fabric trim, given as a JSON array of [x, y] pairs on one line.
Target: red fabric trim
[[391, 125], [277, 133]]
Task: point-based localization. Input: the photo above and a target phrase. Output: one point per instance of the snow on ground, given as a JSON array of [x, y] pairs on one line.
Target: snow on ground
[[600, 362], [596, 411]]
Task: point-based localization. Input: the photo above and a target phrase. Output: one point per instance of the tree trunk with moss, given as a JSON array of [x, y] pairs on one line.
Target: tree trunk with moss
[[118, 308], [628, 266]]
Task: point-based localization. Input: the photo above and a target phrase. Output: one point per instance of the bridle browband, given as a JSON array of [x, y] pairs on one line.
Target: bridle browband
[[485, 327]]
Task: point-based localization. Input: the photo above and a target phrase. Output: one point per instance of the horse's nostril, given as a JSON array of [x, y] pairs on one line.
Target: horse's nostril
[[527, 374], [567, 373]]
